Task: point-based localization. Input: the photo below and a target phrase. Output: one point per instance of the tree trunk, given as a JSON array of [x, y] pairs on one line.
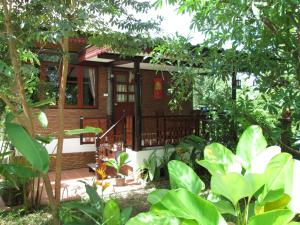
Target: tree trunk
[[61, 105], [28, 121]]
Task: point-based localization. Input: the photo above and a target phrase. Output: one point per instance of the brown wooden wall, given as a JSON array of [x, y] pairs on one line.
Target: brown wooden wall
[[149, 105], [72, 116]]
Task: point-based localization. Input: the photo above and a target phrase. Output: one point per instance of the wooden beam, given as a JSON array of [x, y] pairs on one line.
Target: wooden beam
[[110, 92], [137, 106], [120, 62], [118, 57]]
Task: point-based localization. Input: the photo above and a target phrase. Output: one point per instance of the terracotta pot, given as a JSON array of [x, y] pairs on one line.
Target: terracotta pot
[[120, 181]]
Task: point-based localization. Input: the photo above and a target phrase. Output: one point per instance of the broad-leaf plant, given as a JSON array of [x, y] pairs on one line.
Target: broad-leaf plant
[[255, 186]]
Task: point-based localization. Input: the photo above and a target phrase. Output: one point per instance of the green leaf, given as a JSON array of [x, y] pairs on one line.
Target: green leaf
[[275, 217], [85, 130], [189, 222], [33, 152], [292, 186], [20, 171], [42, 103], [123, 159], [260, 162], [225, 207], [234, 186], [219, 159], [186, 205], [212, 167], [182, 176], [274, 195], [94, 198], [125, 214], [111, 213], [251, 144], [42, 118], [280, 174], [44, 139], [280, 203], [156, 196], [150, 218]]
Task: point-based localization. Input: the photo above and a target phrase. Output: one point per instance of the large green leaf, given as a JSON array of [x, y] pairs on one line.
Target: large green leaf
[[94, 197], [292, 186], [85, 130], [111, 213], [251, 144], [275, 217], [123, 159], [125, 214], [156, 196], [225, 207], [234, 186], [33, 152], [219, 159], [260, 162], [186, 205], [278, 175], [150, 218], [212, 167], [183, 176]]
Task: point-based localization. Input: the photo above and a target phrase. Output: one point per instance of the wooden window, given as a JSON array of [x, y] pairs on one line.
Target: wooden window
[[81, 86], [124, 88]]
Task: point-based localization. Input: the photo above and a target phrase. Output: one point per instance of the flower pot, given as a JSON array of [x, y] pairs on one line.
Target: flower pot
[[120, 181]]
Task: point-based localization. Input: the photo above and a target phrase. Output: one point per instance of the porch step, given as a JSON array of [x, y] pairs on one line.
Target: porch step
[[92, 167]]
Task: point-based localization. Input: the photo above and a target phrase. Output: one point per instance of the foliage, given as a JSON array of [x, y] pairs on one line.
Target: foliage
[[190, 148], [94, 211], [149, 169], [118, 162], [257, 186], [13, 217], [254, 38]]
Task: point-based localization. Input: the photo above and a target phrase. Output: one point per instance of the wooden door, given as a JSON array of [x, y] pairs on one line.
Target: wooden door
[[124, 94]]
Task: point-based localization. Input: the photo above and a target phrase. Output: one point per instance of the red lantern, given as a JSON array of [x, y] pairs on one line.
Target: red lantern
[[158, 88]]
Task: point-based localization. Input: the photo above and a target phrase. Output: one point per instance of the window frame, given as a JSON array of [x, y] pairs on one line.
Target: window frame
[[80, 77], [127, 93]]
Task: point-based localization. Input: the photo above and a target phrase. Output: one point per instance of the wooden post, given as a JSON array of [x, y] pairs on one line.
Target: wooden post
[[97, 155], [110, 93], [124, 130], [81, 126], [157, 129], [137, 106], [197, 125], [165, 131]]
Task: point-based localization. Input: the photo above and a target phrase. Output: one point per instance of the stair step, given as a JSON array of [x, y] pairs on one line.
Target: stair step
[[92, 167]]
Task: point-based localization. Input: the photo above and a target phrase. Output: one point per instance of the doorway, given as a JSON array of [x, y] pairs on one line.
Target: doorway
[[123, 94]]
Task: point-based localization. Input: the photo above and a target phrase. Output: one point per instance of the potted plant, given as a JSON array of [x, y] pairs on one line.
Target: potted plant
[[117, 163]]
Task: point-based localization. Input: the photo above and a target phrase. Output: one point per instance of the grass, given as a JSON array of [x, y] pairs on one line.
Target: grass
[[18, 217]]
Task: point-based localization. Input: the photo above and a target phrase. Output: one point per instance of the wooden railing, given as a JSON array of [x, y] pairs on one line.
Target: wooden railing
[[90, 138], [157, 130], [161, 130]]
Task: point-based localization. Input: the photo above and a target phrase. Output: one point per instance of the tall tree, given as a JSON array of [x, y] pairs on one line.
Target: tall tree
[[44, 21], [261, 39]]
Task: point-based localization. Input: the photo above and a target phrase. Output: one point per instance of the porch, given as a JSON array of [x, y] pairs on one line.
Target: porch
[[157, 131]]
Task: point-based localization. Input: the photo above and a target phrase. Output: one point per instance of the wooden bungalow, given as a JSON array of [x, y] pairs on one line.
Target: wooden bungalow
[[126, 97]]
